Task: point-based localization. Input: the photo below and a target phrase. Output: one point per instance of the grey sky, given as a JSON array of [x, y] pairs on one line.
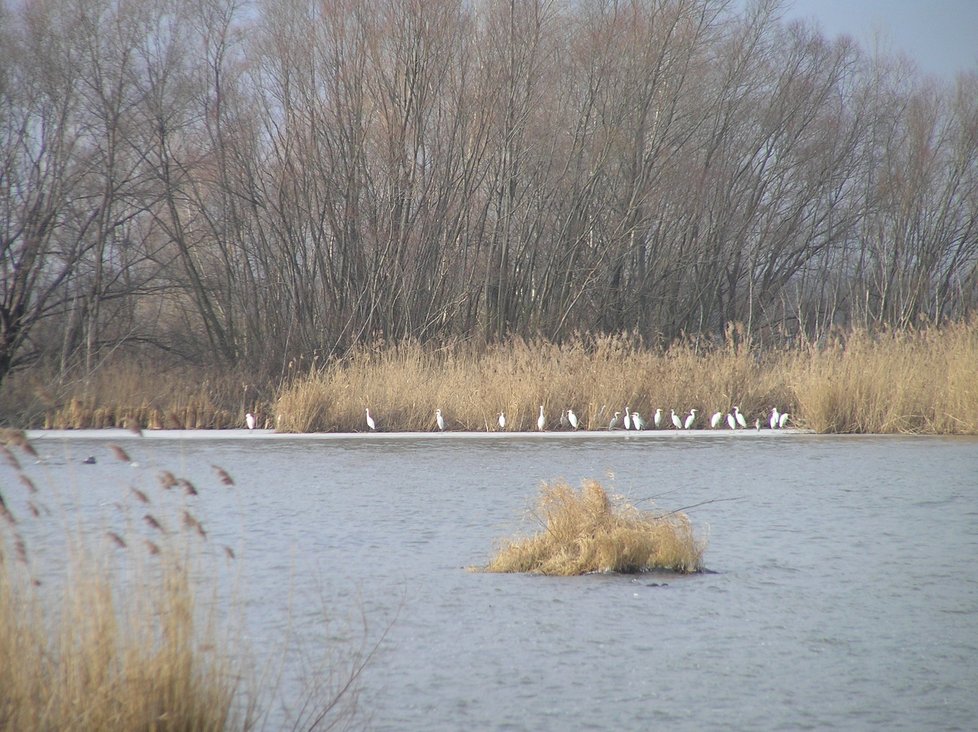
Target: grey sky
[[940, 35]]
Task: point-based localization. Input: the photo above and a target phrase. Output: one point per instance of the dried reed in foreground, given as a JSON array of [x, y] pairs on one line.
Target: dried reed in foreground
[[126, 633], [114, 660], [585, 531]]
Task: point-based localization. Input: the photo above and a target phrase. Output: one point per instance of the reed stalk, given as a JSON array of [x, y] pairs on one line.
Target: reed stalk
[[129, 630]]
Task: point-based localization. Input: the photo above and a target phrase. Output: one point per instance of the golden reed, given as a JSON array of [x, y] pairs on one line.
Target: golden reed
[[911, 381], [126, 633]]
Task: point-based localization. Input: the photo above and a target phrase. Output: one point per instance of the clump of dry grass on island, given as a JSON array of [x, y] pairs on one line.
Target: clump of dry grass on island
[[587, 531]]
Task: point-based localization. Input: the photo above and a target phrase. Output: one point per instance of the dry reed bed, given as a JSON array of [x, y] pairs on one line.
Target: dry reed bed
[[132, 394], [921, 381], [138, 640], [897, 382], [586, 531], [404, 385]]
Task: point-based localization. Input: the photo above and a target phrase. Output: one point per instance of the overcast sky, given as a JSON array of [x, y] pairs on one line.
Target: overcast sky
[[940, 35]]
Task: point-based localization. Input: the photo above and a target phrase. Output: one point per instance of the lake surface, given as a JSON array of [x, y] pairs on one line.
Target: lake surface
[[842, 589]]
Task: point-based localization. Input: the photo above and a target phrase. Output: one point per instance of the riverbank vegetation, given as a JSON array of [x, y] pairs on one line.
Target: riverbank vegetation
[[131, 624], [212, 188], [585, 531], [895, 381], [203, 202]]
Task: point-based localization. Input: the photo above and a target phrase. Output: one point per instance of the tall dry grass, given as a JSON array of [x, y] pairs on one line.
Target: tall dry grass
[[106, 660], [403, 385], [921, 381], [123, 394], [587, 531], [134, 634]]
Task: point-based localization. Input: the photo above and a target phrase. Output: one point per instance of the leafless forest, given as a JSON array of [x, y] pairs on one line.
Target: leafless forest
[[217, 182]]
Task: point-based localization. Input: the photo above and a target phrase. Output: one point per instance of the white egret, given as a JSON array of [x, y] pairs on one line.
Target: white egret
[[440, 420], [572, 418], [731, 421], [628, 418], [613, 424], [637, 422], [370, 420], [250, 420], [783, 420], [541, 420], [774, 418], [715, 420], [740, 418], [502, 421], [690, 419], [677, 423], [657, 419]]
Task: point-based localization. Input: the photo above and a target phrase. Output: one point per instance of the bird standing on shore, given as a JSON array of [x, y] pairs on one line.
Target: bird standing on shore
[[541, 420], [783, 420], [657, 419], [731, 420], [715, 420], [502, 421], [637, 422], [691, 419], [440, 420], [774, 418], [676, 422], [370, 420], [740, 418], [628, 418], [613, 424], [572, 418], [250, 420]]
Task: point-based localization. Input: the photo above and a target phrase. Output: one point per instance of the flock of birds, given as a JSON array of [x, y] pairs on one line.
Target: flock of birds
[[630, 421]]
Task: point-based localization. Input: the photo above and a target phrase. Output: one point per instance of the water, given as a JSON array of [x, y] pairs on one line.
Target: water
[[842, 589]]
